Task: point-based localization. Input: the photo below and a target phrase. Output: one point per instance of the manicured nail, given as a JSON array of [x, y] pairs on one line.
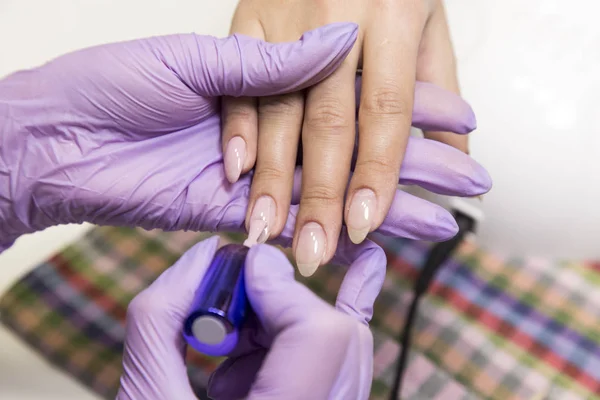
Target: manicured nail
[[310, 249], [235, 156], [261, 220], [361, 214]]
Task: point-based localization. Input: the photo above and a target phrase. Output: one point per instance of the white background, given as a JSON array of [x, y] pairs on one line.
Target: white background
[[529, 68]]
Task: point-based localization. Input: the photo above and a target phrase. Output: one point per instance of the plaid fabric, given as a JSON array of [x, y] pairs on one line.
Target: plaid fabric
[[491, 328]]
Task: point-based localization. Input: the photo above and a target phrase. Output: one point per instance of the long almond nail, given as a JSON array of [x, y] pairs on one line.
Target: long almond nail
[[262, 220], [311, 248], [235, 156], [361, 214]]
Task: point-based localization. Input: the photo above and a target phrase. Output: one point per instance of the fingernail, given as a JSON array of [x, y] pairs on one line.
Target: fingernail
[[261, 220], [361, 214], [310, 249], [235, 155]]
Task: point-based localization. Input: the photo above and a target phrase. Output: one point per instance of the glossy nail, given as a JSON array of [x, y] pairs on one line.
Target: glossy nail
[[235, 156], [310, 249], [262, 220], [360, 215]]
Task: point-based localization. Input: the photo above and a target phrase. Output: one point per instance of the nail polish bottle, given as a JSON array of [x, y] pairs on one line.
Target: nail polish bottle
[[220, 304]]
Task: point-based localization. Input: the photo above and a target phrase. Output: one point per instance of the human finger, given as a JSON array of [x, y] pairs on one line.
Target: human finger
[[280, 123], [384, 115], [436, 108], [239, 114], [327, 143]]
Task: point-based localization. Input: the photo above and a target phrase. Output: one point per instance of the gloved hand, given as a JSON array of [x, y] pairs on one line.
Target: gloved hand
[[298, 347], [128, 134]]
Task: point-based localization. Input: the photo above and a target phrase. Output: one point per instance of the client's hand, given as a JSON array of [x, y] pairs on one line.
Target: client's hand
[[298, 347]]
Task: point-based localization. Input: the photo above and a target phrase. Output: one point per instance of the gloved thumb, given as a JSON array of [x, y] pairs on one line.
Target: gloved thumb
[[154, 356], [277, 299], [243, 66]]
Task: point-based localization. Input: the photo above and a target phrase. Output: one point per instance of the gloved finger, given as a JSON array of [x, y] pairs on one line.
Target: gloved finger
[[363, 280], [277, 298], [304, 327], [435, 108], [434, 166], [235, 376], [255, 67], [154, 347], [437, 64], [409, 217], [443, 169]]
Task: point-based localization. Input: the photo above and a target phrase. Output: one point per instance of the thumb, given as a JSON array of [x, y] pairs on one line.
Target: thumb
[[278, 300], [243, 66], [311, 339], [154, 355]]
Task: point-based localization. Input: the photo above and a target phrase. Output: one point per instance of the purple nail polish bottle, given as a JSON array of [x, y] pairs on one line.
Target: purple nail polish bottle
[[220, 304]]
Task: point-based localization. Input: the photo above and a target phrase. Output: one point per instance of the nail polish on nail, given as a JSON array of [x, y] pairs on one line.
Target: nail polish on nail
[[310, 249], [257, 233], [361, 214], [235, 156], [261, 220]]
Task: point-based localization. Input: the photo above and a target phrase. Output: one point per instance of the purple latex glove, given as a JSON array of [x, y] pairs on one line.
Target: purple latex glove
[[128, 134], [123, 133], [299, 347]]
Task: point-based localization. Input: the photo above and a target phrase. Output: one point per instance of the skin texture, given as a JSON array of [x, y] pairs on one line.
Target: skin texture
[[292, 342], [399, 42], [129, 134]]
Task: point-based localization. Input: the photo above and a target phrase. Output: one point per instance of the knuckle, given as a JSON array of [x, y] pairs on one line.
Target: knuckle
[[269, 172], [385, 100], [239, 112], [321, 194], [286, 105], [328, 114], [381, 167]]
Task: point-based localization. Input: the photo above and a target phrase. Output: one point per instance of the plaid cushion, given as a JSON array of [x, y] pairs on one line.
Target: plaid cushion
[[490, 328]]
